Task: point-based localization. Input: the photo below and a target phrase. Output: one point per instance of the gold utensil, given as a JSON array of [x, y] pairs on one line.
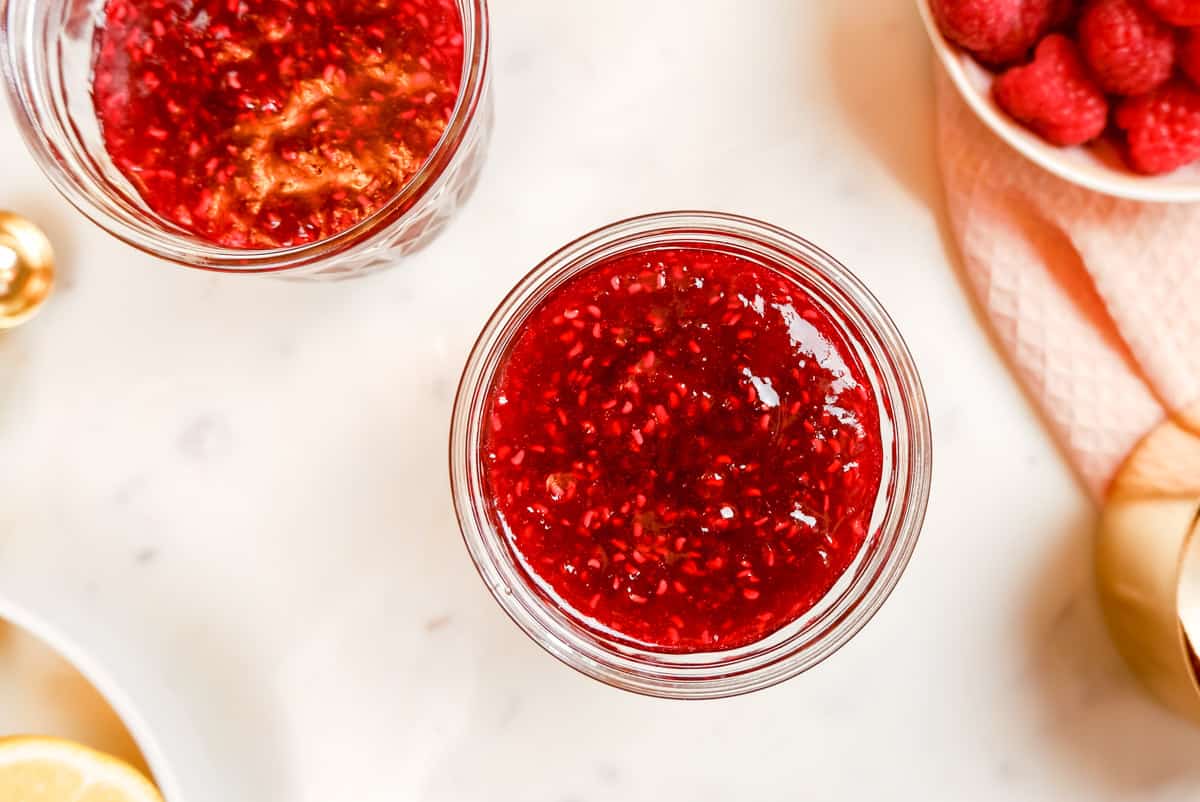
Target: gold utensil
[[1148, 563], [26, 269]]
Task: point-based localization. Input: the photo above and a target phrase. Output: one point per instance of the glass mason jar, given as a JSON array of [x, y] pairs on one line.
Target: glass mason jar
[[896, 519], [47, 65]]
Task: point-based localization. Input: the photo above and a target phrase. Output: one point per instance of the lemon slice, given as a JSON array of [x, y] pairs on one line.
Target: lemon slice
[[52, 770]]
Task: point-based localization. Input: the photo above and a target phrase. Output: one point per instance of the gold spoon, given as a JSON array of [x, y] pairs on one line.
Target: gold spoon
[[26, 269]]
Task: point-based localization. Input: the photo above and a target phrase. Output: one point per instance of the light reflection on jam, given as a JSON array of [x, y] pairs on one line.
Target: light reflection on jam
[[682, 448], [272, 123]]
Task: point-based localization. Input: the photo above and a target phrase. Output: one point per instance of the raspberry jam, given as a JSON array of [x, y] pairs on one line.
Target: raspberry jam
[[274, 123], [682, 448]]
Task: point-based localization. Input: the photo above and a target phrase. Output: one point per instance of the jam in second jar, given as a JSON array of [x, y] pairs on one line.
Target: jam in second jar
[[682, 449], [274, 123]]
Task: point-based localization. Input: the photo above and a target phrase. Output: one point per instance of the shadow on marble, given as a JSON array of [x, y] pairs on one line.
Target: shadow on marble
[[13, 354], [888, 100], [393, 645], [1104, 724], [12, 366], [225, 702], [883, 79]]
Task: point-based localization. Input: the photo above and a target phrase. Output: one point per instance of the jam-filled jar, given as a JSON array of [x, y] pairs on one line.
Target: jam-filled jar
[[690, 455], [325, 138]]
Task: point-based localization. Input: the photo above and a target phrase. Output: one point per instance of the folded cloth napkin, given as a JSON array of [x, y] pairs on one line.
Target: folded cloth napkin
[[1096, 299]]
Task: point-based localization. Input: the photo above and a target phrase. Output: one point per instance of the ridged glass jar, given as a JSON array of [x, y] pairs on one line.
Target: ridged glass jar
[[898, 513], [46, 56]]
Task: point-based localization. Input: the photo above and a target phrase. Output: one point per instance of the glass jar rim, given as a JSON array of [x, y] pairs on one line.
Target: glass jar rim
[[36, 113], [795, 648]]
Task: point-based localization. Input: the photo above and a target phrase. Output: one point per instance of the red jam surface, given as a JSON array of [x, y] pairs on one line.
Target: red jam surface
[[681, 447], [272, 123]]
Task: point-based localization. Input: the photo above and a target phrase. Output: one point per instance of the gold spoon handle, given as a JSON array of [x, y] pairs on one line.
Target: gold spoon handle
[[26, 269]]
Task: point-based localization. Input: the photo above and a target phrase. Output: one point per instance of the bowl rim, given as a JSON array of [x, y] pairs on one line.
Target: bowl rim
[[55, 637], [1130, 186]]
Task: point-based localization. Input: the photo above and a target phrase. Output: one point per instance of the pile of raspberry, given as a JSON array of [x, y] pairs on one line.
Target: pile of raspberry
[[1070, 70]]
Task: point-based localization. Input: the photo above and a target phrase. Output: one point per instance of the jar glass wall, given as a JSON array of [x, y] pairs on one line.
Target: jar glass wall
[[895, 521], [47, 53]]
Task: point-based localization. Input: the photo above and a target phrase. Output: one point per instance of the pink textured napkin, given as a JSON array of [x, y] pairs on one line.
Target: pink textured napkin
[[1097, 300]]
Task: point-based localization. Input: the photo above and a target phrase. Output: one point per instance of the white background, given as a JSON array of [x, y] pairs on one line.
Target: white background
[[242, 483]]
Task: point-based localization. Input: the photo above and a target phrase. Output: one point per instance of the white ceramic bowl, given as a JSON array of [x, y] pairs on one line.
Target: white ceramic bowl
[[80, 642], [1098, 167]]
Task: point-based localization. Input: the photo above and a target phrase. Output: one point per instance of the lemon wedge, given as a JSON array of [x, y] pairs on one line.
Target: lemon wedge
[[53, 770]]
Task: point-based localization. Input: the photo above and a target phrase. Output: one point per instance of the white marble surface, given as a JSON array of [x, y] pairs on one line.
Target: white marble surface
[[245, 480]]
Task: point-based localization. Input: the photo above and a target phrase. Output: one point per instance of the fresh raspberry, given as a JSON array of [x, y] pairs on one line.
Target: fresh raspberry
[[1130, 50], [1162, 129], [1053, 95], [1183, 13], [998, 31], [1189, 54]]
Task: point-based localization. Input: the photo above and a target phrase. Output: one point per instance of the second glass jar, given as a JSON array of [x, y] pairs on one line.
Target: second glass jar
[[48, 54]]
